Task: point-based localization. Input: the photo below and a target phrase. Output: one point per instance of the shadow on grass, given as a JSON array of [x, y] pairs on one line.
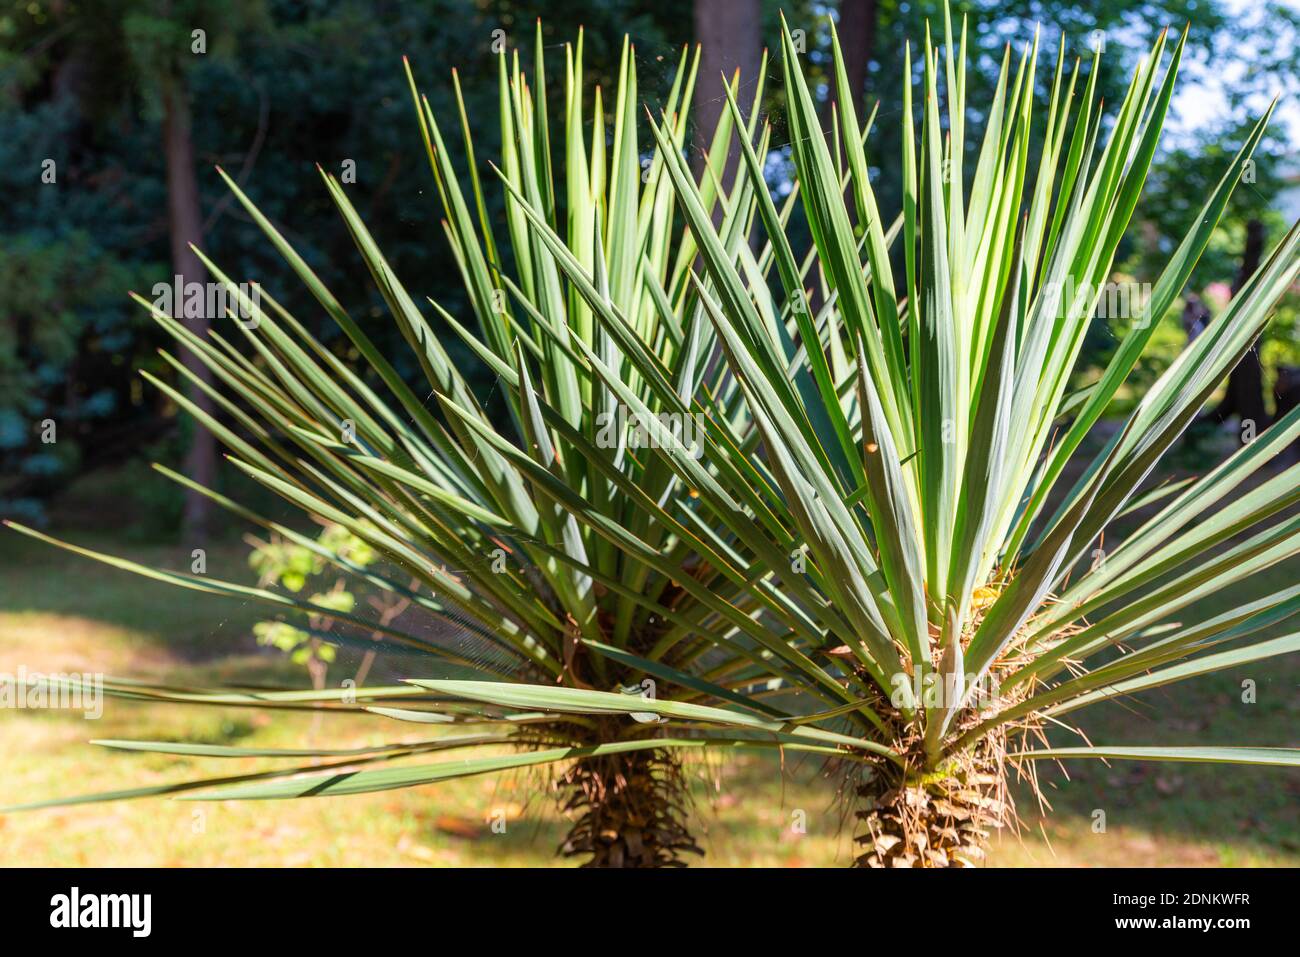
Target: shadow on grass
[[36, 577]]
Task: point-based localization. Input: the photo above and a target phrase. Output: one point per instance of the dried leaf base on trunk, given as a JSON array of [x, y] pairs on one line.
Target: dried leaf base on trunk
[[631, 810], [940, 819]]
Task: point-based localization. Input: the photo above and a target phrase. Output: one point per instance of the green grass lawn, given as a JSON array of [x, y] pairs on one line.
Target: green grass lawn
[[62, 613]]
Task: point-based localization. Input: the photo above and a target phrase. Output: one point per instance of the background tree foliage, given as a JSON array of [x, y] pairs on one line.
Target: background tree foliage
[[284, 85]]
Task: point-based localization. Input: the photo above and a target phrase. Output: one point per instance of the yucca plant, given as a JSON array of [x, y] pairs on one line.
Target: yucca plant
[[910, 447], [867, 550], [552, 547]]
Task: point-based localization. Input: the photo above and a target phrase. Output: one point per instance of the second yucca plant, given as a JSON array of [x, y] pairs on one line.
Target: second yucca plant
[[867, 549]]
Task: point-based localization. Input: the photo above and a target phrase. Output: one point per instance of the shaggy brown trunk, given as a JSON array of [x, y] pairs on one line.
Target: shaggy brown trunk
[[933, 818], [937, 820], [630, 809]]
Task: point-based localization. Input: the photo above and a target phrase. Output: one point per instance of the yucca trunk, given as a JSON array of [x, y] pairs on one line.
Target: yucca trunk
[[940, 819], [628, 810], [928, 813]]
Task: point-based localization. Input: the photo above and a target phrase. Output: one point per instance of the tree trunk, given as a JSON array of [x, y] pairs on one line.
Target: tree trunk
[[730, 36], [1245, 393], [935, 819], [857, 33], [630, 810], [186, 225]]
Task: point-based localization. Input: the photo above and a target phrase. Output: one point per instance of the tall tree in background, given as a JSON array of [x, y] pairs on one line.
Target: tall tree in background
[[186, 221], [1244, 397], [165, 40], [1267, 37], [857, 33], [731, 35]]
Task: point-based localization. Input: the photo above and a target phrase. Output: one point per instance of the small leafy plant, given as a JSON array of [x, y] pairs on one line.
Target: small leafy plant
[[293, 567]]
